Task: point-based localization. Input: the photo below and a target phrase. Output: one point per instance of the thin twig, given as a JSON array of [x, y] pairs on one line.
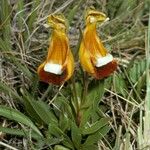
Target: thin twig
[[8, 146]]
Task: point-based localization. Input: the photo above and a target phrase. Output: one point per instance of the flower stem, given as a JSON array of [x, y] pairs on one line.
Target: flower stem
[[85, 90], [75, 97]]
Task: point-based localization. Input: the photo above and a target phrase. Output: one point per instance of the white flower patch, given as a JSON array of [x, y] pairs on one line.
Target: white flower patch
[[53, 68], [101, 61], [92, 19]]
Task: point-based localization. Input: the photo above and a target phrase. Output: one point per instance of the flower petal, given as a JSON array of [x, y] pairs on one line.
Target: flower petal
[[106, 70], [58, 49], [48, 77], [69, 66], [85, 59], [92, 42]]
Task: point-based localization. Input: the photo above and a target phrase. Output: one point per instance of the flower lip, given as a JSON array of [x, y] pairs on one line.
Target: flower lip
[[53, 68], [101, 61]]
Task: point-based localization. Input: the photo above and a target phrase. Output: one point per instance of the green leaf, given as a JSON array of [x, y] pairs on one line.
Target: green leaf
[[60, 147], [20, 16], [108, 82], [76, 135], [95, 127], [94, 138], [64, 121], [55, 131], [31, 112], [120, 84], [15, 115], [34, 85], [21, 67], [137, 75], [4, 46], [44, 112], [137, 70], [86, 113], [68, 144], [63, 104], [7, 90], [141, 83], [33, 14], [89, 147], [95, 93], [41, 109], [79, 89], [19, 132], [53, 141], [73, 11], [126, 6], [5, 19]]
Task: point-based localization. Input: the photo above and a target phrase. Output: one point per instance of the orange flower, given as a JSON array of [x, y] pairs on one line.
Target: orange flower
[[59, 64], [93, 56]]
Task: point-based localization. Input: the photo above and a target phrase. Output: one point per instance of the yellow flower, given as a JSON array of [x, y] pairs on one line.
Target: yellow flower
[[59, 64], [93, 56]]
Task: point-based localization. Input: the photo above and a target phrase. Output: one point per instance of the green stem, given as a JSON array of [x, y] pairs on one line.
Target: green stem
[[76, 103], [85, 90], [75, 97]]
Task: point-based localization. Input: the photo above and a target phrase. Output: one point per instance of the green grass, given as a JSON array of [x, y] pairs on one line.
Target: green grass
[[43, 116]]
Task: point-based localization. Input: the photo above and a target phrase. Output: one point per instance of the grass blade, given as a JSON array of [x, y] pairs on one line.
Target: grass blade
[[15, 115]]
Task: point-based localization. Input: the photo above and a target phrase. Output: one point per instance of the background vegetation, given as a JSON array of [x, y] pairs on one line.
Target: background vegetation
[[27, 106]]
